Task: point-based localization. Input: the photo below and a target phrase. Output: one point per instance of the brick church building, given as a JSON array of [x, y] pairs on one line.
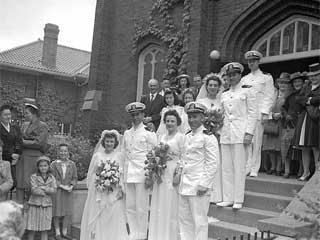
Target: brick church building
[[138, 40]]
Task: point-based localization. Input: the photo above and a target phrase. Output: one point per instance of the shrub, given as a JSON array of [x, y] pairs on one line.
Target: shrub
[[80, 150]]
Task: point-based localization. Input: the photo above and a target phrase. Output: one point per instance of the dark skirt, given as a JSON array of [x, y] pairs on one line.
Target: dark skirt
[[311, 137], [26, 166]]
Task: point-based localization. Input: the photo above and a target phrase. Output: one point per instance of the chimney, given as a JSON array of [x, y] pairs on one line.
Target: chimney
[[49, 50]]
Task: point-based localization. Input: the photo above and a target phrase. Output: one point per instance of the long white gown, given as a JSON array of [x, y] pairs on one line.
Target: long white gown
[[216, 195], [183, 128], [104, 215], [164, 204]]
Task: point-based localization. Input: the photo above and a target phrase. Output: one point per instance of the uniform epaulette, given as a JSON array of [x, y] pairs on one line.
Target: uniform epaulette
[[207, 132], [246, 86], [266, 73], [189, 132]]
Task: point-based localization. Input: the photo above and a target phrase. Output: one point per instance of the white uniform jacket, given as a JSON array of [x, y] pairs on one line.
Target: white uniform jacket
[[240, 111], [200, 158], [136, 144], [263, 85]]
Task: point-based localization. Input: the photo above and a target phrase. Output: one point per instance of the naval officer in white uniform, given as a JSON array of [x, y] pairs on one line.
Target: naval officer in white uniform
[[138, 140], [262, 83], [240, 111], [200, 164]]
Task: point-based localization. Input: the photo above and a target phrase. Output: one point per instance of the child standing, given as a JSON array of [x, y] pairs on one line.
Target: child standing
[[6, 181], [65, 172], [43, 185]]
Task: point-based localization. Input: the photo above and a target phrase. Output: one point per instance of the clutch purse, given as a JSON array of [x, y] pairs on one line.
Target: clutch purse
[[177, 176], [271, 127]]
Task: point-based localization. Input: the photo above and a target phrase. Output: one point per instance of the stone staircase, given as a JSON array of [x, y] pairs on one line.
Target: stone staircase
[[265, 197]]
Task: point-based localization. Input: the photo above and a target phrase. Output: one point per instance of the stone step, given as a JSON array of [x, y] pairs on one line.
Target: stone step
[[273, 185], [223, 230], [266, 201], [245, 216], [75, 231]]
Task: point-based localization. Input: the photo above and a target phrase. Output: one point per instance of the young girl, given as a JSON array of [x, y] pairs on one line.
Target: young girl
[[171, 102], [6, 181], [65, 173], [43, 185]]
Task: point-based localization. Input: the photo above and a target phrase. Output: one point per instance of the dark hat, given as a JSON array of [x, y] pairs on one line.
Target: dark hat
[[296, 75], [135, 107], [253, 54], [195, 107], [314, 69], [283, 78]]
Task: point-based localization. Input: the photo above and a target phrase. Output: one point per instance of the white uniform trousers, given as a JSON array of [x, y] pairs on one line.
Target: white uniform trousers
[[193, 219], [233, 172], [216, 194], [254, 154], [137, 205]]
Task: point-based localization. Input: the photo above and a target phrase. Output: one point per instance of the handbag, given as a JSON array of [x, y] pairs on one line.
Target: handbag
[[313, 112], [272, 128], [286, 139]]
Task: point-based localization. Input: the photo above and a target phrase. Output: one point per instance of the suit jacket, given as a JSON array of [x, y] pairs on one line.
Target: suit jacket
[[38, 132], [12, 141], [153, 109], [6, 181], [37, 198], [70, 176]]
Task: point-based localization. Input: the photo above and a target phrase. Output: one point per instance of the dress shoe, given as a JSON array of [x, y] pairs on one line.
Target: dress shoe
[[225, 204], [286, 175], [237, 206], [253, 174], [304, 178]]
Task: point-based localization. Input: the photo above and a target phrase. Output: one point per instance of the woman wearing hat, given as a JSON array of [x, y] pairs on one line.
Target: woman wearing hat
[[290, 111], [272, 140], [35, 142], [307, 131]]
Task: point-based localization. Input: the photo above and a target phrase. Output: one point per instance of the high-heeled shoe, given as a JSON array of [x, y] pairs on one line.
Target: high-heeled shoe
[[304, 178]]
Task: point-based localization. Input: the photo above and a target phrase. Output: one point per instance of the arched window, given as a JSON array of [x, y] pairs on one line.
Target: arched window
[[297, 37], [151, 65]]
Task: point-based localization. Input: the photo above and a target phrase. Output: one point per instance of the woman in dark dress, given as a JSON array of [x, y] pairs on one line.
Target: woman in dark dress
[[35, 138], [12, 140], [290, 111], [307, 131]]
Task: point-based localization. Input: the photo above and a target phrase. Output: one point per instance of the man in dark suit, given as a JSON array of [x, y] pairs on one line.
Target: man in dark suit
[[11, 138], [154, 103]]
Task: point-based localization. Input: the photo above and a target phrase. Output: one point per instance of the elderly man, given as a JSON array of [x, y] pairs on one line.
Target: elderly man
[[137, 142], [262, 84], [154, 103], [240, 110], [200, 164], [165, 84]]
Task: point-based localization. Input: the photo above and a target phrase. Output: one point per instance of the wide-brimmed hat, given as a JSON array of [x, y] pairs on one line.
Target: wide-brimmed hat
[[314, 69], [183, 76]]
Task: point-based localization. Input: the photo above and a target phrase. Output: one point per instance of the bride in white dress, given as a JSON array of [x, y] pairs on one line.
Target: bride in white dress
[[210, 96], [164, 204], [104, 213]]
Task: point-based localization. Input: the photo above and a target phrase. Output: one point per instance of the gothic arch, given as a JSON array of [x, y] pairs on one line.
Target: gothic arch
[[261, 16]]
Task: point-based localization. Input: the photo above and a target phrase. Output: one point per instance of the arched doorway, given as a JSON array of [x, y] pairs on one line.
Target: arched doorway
[[290, 46], [151, 65]]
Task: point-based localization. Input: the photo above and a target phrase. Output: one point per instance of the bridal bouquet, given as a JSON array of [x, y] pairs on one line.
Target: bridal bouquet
[[213, 120], [156, 163], [107, 176]]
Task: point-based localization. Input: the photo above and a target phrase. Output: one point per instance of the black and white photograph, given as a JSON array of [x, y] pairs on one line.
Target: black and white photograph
[[160, 120]]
